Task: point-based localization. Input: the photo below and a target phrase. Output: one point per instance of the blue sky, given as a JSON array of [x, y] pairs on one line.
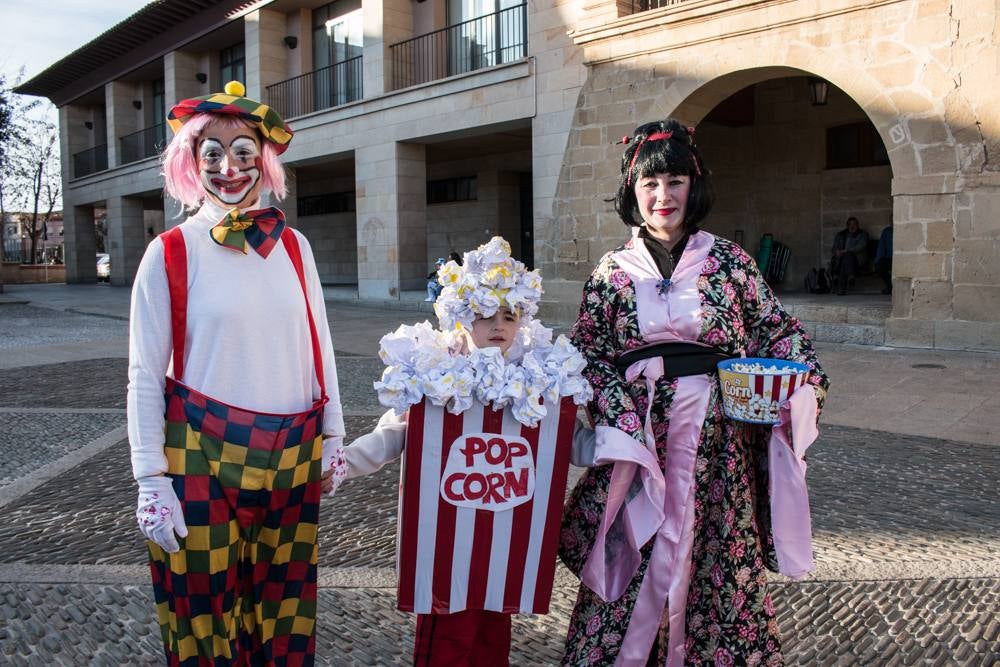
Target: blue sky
[[37, 33]]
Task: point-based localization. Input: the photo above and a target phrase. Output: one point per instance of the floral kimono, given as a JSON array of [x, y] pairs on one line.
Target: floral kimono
[[673, 538]]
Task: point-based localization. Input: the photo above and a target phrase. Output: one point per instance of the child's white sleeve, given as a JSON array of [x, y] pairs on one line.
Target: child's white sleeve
[[584, 442], [370, 452]]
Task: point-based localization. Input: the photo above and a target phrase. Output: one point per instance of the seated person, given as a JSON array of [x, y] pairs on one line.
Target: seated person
[[883, 259], [850, 252], [433, 286]]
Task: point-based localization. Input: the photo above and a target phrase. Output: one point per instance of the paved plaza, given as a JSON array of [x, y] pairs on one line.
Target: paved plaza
[[905, 508]]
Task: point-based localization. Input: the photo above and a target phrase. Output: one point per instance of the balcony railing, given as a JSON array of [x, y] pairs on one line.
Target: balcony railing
[[142, 144], [90, 161], [324, 88], [481, 42]]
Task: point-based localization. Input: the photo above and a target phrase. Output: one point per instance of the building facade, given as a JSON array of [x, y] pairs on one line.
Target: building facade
[[426, 126]]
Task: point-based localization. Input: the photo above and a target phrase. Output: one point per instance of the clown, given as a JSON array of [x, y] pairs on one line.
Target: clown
[[234, 415]]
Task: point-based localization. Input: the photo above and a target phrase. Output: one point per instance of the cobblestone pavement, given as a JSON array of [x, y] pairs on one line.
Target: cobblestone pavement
[[92, 383], [908, 622], [907, 535], [22, 325], [29, 440]]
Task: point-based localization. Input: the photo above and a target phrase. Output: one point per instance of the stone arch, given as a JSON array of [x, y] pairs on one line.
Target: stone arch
[[691, 99]]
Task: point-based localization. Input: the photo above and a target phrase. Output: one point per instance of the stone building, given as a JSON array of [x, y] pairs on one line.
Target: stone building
[[428, 126]]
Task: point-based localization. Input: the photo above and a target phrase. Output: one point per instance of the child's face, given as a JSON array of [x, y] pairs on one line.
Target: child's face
[[496, 331]]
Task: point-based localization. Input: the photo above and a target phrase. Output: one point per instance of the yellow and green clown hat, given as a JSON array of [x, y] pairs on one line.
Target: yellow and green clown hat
[[233, 103]]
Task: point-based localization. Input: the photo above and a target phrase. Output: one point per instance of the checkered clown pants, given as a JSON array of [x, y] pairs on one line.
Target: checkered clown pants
[[242, 589]]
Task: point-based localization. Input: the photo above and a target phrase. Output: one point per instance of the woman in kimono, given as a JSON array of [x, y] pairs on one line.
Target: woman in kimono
[[670, 537], [234, 416]]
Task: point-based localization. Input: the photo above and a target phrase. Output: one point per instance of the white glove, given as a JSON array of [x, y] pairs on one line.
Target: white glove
[[333, 459], [159, 513]]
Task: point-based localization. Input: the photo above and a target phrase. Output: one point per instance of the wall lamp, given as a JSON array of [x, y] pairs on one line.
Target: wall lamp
[[137, 104], [818, 89], [291, 41], [201, 76]]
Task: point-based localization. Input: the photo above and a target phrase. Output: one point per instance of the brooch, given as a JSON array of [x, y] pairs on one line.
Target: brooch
[[663, 286]]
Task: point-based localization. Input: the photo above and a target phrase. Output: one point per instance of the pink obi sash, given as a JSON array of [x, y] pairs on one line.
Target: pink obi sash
[[645, 502]]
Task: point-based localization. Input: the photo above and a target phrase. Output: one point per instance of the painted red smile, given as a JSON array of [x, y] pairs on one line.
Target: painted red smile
[[664, 211], [231, 187]]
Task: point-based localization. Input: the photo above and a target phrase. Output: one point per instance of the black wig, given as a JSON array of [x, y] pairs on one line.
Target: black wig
[[677, 155]]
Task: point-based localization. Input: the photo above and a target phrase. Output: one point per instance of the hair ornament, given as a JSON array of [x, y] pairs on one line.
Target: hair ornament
[[655, 136], [624, 140]]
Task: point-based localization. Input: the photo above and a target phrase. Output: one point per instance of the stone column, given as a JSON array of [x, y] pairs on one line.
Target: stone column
[[300, 59], [266, 53], [385, 23], [392, 219], [126, 237], [80, 249], [122, 117], [78, 221], [179, 82]]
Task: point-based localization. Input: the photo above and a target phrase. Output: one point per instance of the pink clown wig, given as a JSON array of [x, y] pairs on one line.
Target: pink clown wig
[[180, 166]]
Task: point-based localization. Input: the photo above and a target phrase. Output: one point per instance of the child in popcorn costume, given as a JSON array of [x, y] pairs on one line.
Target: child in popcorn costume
[[233, 406], [489, 348]]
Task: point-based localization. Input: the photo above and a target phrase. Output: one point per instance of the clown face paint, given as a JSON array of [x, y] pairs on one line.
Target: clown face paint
[[229, 162]]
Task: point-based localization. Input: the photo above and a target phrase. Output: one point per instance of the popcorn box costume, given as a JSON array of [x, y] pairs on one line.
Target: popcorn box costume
[[236, 430], [488, 439], [481, 536]]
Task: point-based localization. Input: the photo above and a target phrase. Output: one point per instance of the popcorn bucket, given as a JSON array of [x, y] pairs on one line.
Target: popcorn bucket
[[753, 388]]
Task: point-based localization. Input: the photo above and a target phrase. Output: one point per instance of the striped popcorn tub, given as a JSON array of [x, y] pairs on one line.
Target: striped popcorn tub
[[481, 499], [754, 388]]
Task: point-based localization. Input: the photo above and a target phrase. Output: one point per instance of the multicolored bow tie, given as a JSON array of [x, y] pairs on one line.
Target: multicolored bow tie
[[260, 229]]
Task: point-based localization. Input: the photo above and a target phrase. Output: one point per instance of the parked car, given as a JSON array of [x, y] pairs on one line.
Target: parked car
[[103, 267]]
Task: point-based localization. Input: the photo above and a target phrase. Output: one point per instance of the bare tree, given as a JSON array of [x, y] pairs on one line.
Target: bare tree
[[46, 181], [29, 161], [16, 125]]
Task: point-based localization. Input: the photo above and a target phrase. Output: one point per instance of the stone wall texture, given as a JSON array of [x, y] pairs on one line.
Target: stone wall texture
[[923, 72]]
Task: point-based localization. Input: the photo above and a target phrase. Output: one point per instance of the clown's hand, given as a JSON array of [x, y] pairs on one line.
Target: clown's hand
[[159, 512], [334, 464]]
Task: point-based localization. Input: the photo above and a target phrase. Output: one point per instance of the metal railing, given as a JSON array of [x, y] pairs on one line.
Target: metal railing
[[481, 42], [142, 144], [90, 161], [324, 88], [13, 250]]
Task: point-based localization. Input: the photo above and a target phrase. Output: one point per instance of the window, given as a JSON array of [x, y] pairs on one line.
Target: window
[[159, 114], [334, 202], [483, 33], [232, 64], [338, 37], [854, 145], [451, 190]]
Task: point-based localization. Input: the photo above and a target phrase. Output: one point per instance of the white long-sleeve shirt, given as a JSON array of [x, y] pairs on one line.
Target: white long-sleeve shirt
[[372, 451], [247, 343]]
